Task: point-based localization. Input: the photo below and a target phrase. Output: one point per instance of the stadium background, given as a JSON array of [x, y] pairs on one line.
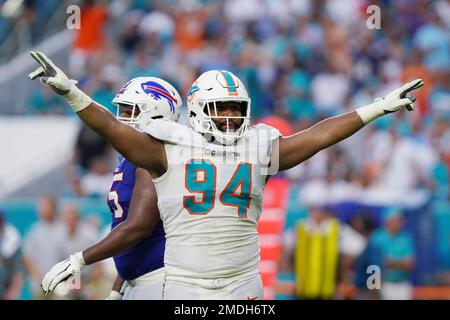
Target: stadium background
[[301, 60]]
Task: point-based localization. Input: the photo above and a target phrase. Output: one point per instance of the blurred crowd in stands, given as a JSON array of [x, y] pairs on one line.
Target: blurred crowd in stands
[[58, 232], [301, 61]]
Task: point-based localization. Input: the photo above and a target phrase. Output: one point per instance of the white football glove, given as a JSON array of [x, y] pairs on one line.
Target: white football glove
[[114, 295], [50, 74], [62, 271], [394, 101]]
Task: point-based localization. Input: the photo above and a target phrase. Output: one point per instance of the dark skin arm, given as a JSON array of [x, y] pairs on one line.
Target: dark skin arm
[[299, 147], [143, 215], [137, 147]]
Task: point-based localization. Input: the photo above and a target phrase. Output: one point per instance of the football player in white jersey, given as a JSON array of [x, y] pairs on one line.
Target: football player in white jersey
[[209, 178]]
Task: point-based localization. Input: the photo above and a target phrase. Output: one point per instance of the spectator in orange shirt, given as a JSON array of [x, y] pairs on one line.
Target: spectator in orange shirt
[[189, 30], [90, 37]]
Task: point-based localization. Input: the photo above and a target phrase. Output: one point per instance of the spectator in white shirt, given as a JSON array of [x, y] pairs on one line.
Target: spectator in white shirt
[[40, 246]]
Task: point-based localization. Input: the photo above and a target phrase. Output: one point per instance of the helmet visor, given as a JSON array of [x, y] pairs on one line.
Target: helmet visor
[[127, 113]]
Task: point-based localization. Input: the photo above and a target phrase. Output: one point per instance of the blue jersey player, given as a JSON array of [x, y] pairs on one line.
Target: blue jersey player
[[137, 239], [141, 266]]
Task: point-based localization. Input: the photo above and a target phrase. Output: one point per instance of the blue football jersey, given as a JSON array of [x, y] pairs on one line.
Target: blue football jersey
[[147, 255]]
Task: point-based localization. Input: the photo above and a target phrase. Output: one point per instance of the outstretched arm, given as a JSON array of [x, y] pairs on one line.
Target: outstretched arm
[[140, 148], [297, 148], [143, 215]]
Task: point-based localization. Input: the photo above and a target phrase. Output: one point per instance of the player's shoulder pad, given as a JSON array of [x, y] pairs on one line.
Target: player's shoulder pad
[[263, 131], [169, 131]]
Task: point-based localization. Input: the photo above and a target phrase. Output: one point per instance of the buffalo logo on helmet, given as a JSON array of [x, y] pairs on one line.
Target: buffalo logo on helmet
[[158, 92]]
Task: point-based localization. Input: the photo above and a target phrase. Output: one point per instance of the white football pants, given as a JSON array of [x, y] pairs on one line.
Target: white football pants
[[146, 287], [233, 288]]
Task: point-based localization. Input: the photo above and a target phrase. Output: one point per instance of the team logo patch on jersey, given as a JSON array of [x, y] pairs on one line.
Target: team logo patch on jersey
[[159, 92], [220, 153]]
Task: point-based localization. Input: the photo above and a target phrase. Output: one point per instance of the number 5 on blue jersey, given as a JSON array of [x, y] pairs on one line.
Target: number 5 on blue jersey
[[200, 177]]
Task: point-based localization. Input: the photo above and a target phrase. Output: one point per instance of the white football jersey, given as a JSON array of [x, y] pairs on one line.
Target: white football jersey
[[210, 200]]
